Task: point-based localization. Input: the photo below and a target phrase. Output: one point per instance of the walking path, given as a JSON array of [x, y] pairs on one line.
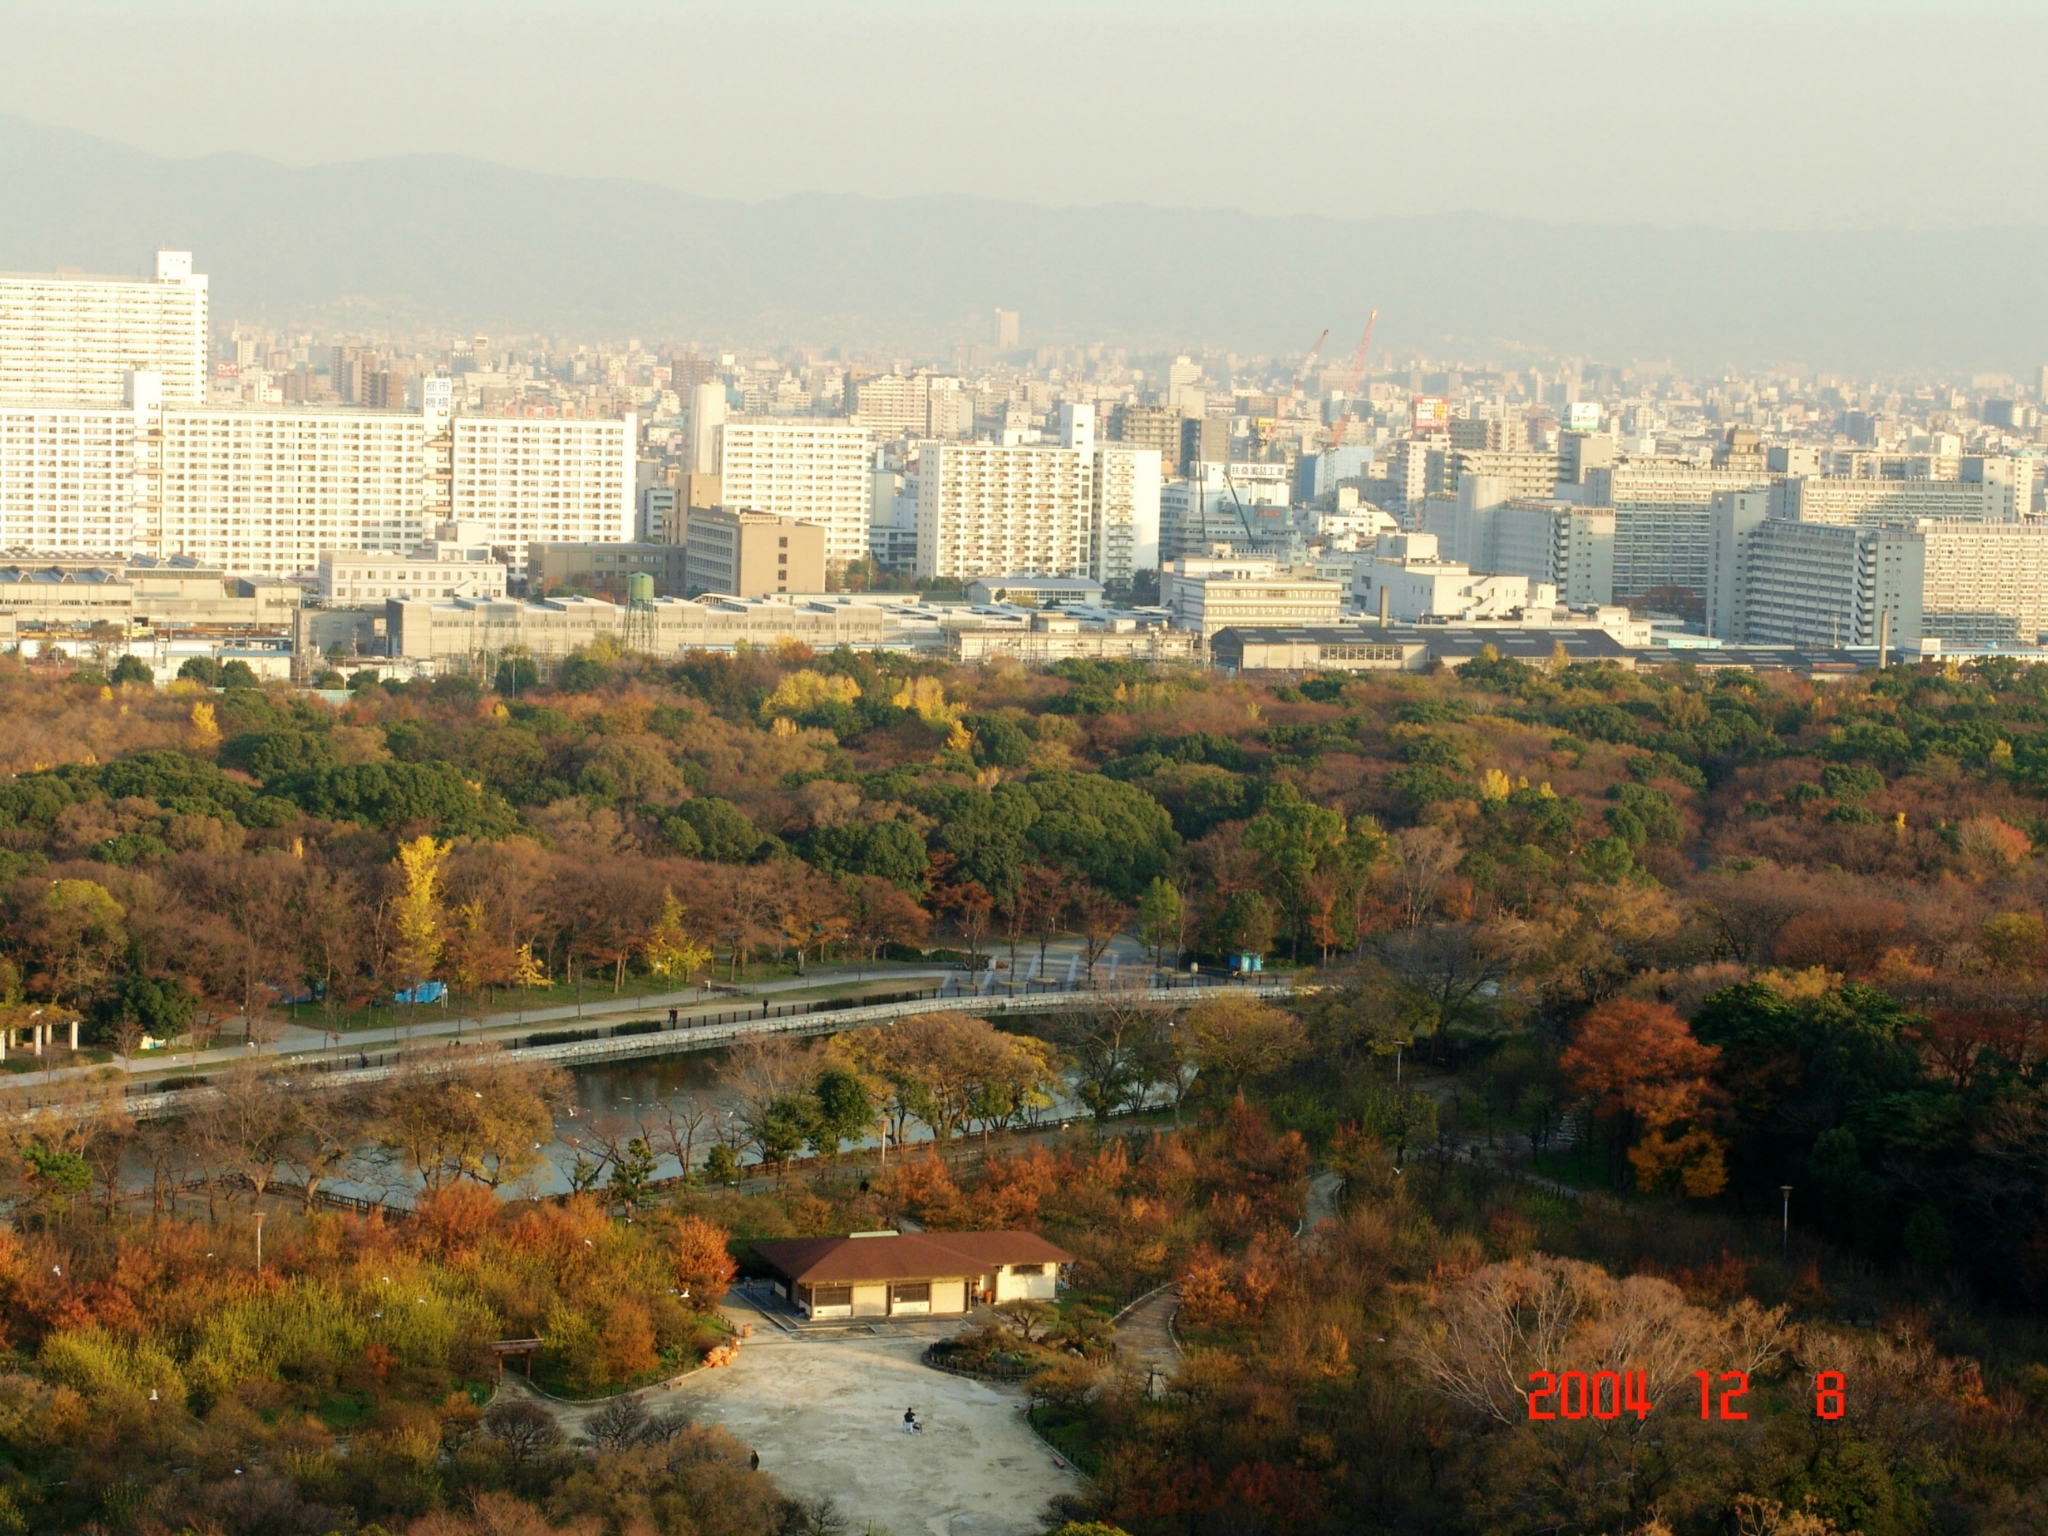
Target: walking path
[[1144, 1336]]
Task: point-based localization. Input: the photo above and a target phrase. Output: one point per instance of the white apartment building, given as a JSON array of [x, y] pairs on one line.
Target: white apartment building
[[1829, 500], [82, 479], [892, 405], [74, 340], [1082, 508], [816, 471], [1125, 490], [264, 492], [1212, 593], [984, 509], [1662, 520], [1777, 580], [458, 561], [543, 480]]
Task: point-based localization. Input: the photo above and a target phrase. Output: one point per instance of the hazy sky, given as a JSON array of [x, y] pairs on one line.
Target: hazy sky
[[1791, 114]]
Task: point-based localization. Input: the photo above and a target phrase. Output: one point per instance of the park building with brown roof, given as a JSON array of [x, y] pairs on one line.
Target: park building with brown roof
[[903, 1274]]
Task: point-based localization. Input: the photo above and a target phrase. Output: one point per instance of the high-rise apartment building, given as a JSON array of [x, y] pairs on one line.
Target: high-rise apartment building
[[263, 492], [815, 471], [1149, 426], [2006, 496], [1082, 508], [703, 415], [1784, 580], [984, 509], [74, 340], [533, 480], [1662, 521], [82, 479]]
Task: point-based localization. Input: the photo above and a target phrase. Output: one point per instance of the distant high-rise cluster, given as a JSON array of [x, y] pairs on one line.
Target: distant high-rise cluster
[[1785, 507]]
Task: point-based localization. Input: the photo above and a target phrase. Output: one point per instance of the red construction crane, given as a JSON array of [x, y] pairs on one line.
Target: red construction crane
[[1357, 373]]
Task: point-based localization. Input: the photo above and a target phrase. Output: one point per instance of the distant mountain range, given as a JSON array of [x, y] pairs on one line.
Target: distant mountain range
[[463, 244]]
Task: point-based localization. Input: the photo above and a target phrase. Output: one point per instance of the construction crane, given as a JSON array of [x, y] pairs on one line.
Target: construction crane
[[1357, 373], [1309, 363], [1271, 425]]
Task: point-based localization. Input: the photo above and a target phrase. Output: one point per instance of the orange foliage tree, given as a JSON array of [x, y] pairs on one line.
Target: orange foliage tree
[[1647, 1078]]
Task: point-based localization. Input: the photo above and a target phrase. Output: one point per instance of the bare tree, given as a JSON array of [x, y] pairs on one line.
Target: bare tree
[[1098, 919], [1428, 856]]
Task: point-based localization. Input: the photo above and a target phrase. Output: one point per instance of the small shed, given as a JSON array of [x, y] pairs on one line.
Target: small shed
[[904, 1274]]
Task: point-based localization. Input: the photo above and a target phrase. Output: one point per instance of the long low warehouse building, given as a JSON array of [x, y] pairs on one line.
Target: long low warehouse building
[[1403, 648], [458, 629]]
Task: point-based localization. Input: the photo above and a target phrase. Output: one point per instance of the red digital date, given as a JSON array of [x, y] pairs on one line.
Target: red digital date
[[1610, 1394]]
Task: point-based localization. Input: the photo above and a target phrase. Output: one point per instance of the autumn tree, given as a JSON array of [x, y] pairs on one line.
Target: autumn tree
[[1240, 1038], [1649, 1080]]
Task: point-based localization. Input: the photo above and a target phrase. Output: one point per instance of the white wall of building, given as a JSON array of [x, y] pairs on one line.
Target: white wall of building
[[73, 340], [988, 510], [815, 471]]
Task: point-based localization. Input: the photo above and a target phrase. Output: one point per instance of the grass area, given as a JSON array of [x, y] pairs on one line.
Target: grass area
[[1068, 1434]]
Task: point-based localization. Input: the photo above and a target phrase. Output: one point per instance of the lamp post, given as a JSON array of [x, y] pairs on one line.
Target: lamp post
[[1785, 1231]]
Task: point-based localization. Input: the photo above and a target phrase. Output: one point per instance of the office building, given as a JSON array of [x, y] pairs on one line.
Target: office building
[[1211, 593], [1240, 504], [604, 567], [1579, 453], [1408, 580], [753, 554], [661, 518], [1008, 327], [815, 471], [459, 561], [74, 340]]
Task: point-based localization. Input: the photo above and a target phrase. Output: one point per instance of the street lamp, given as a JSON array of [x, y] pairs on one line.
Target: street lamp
[[1785, 1232]]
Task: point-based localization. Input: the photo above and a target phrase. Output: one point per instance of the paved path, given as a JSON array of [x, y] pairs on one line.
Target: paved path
[[826, 1415], [1320, 1207], [1144, 1334]]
